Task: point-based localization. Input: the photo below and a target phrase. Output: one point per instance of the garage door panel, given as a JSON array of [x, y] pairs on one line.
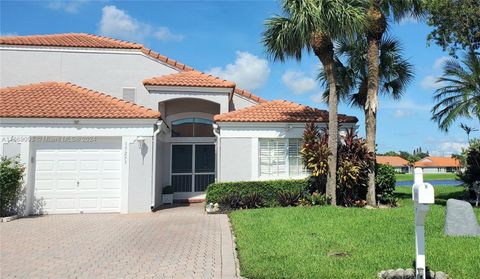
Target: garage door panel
[[76, 180], [67, 165], [111, 184]]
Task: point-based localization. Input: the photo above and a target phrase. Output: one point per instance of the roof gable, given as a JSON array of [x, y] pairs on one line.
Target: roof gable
[[189, 79], [280, 111], [438, 162], [394, 161], [65, 100]]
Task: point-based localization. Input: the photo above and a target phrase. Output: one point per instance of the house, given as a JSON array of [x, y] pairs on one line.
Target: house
[[398, 163], [438, 164], [102, 125]]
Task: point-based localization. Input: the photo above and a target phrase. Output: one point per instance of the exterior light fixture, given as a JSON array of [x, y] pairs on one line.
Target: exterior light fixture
[[140, 141]]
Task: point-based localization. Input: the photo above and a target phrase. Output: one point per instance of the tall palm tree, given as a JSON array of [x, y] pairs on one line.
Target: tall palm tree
[[460, 96], [378, 13], [313, 25], [395, 72], [468, 130]]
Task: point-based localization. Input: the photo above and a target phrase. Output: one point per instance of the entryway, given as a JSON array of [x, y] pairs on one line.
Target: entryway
[[193, 167]]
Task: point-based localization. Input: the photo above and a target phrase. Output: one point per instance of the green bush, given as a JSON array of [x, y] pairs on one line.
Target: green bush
[[264, 191], [167, 190], [385, 184], [11, 179], [472, 166]]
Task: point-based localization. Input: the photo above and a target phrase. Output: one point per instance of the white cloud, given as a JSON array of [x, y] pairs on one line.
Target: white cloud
[[164, 34], [8, 34], [119, 24], [403, 113], [248, 71], [408, 20], [430, 82], [447, 148], [69, 6], [318, 98], [298, 82]]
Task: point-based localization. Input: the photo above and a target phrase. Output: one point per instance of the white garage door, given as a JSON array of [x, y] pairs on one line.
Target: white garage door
[[78, 180]]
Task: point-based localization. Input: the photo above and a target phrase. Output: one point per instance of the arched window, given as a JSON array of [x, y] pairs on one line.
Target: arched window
[[192, 127]]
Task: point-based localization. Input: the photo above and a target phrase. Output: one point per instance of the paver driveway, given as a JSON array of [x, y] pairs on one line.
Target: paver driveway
[[180, 242]]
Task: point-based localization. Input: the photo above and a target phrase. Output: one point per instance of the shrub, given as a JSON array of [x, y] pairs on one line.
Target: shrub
[[266, 190], [289, 198], [231, 201], [252, 200], [472, 166], [385, 184], [353, 161], [167, 190], [11, 179], [319, 199]]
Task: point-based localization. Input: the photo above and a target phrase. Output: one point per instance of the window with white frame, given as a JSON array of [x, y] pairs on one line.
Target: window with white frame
[[280, 158]]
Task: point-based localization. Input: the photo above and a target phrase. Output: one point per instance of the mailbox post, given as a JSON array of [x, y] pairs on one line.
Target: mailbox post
[[423, 196]]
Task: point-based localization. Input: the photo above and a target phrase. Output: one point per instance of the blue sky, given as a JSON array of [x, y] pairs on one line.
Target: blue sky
[[223, 38]]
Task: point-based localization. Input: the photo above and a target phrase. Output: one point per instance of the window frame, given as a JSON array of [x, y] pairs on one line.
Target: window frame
[[288, 175]]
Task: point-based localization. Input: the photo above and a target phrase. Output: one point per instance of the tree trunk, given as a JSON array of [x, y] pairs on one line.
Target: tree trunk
[[328, 64], [322, 46], [371, 106]]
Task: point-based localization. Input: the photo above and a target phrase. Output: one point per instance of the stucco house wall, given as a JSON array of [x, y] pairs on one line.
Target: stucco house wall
[[102, 70]]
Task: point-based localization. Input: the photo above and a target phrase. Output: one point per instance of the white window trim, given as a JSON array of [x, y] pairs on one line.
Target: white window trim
[[257, 161]]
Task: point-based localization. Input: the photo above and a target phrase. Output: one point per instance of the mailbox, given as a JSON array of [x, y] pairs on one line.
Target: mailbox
[[423, 193], [423, 196]]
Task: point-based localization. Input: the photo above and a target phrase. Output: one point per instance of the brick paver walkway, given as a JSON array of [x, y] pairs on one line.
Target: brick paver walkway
[[180, 242]]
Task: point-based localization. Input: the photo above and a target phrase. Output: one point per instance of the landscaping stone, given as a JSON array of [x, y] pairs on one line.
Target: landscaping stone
[[8, 219], [410, 274], [460, 219]]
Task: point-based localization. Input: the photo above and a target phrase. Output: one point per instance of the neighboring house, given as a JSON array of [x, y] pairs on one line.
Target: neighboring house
[[156, 122], [398, 163], [438, 164]]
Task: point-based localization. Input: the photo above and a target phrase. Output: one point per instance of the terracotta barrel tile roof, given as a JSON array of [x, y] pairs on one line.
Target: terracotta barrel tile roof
[[280, 111], [249, 95], [66, 100], [69, 40], [86, 41], [394, 161], [189, 78], [438, 162]]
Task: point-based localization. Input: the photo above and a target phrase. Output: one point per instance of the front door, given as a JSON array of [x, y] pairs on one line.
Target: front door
[[193, 167]]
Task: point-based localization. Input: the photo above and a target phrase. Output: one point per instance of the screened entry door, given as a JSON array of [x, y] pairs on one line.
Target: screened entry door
[[193, 167]]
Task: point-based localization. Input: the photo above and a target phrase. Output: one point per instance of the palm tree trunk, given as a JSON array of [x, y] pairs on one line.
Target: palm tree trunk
[[371, 106], [328, 63]]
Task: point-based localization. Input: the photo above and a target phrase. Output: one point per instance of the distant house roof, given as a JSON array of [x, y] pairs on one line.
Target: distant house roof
[[189, 78], [280, 111], [394, 161], [83, 40], [433, 162], [65, 100]]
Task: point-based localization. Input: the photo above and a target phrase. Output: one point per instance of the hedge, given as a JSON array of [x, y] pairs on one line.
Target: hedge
[[268, 189]]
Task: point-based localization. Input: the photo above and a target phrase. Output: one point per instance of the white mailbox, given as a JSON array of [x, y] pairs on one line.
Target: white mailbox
[[423, 195]]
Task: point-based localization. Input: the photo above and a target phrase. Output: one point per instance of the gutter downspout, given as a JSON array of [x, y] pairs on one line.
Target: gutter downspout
[[216, 132], [154, 163]]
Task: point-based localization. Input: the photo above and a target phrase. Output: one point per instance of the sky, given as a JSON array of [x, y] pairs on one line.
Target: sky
[[224, 38]]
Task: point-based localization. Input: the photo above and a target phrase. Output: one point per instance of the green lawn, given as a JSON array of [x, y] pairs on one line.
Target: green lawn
[[426, 176], [295, 242]]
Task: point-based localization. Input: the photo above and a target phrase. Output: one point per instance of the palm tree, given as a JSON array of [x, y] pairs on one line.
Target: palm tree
[[378, 12], [313, 25], [460, 94], [468, 130], [395, 72]]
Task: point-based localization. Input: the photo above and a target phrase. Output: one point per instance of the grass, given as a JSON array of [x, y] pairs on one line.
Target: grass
[[295, 242], [426, 176]]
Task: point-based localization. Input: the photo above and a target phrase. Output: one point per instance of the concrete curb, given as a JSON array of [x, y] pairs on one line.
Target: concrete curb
[[229, 259]]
